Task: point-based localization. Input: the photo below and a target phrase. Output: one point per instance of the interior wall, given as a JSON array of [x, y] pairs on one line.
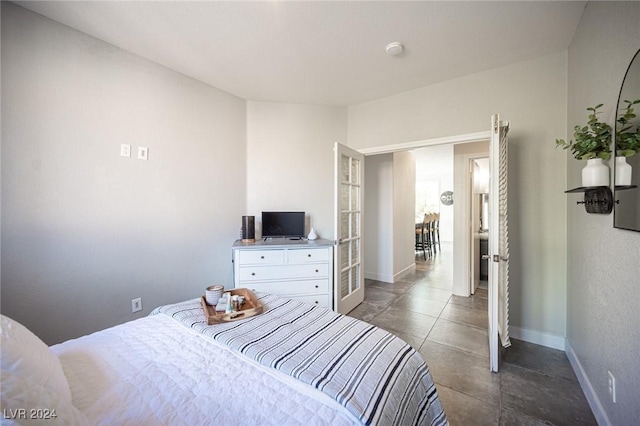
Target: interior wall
[[603, 328], [436, 163], [404, 190], [532, 96], [84, 230], [378, 208], [290, 160]]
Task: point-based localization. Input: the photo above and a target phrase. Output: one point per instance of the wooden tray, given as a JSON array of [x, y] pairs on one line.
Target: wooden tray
[[250, 307]]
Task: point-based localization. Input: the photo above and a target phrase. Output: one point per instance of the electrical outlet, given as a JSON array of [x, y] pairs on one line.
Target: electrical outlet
[[125, 150], [612, 387], [136, 304]]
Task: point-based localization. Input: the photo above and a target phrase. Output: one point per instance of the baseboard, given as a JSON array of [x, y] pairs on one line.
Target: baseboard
[[385, 278], [409, 269], [388, 278], [585, 384], [544, 339]]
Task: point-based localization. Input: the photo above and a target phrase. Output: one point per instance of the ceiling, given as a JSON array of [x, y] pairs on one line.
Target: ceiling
[[324, 52]]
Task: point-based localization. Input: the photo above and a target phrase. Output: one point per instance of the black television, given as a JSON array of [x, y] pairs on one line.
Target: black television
[[283, 225]]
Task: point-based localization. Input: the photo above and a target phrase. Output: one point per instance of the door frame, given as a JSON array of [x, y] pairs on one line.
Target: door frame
[[406, 146], [468, 233], [463, 286]]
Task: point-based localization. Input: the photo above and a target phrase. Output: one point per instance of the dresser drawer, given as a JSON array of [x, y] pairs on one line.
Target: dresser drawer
[[308, 255], [310, 287], [300, 271], [321, 300], [284, 272], [257, 257]]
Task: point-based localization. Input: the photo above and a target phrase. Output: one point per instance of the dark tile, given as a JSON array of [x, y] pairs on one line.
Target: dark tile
[[465, 315], [366, 311], [414, 341], [555, 400], [423, 265], [471, 302], [425, 292], [404, 321], [545, 360], [441, 273], [515, 418], [378, 296], [460, 336], [481, 292], [414, 276], [462, 371], [418, 304], [465, 410], [399, 287], [444, 283]]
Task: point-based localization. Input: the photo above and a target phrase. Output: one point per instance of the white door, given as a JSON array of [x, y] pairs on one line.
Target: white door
[[498, 243], [348, 265]]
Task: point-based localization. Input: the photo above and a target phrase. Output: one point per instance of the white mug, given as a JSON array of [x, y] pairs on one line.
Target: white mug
[[213, 293]]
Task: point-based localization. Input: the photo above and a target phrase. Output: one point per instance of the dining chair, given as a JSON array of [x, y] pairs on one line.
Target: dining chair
[[421, 235], [435, 232]]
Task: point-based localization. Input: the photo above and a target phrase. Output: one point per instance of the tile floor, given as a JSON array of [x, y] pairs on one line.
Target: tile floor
[[535, 386]]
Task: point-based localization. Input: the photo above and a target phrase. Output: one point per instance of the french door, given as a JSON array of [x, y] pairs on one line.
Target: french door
[[348, 206], [498, 243]]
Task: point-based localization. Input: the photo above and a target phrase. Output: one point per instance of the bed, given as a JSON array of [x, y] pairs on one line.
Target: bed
[[294, 364]]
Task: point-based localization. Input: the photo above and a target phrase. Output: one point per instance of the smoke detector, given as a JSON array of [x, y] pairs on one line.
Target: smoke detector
[[395, 48]]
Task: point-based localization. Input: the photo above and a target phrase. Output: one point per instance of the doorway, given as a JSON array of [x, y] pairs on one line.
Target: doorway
[[466, 147], [479, 273], [458, 152]]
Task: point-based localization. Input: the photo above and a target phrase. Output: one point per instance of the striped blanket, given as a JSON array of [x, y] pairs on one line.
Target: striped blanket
[[378, 377]]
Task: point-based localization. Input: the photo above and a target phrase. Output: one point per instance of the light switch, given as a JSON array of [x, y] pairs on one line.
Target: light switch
[[143, 153]]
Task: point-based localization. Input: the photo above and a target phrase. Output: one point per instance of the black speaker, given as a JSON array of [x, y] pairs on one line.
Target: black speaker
[[248, 229]]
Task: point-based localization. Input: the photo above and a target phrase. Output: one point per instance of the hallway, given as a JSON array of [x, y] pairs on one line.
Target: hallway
[[536, 385]]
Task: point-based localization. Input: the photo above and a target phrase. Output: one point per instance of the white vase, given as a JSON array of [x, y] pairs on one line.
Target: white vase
[[595, 173], [312, 235], [623, 171]]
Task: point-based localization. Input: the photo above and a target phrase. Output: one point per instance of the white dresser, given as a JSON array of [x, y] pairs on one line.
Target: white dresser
[[297, 269]]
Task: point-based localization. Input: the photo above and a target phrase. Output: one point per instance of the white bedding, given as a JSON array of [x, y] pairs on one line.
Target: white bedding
[[378, 377], [153, 371]]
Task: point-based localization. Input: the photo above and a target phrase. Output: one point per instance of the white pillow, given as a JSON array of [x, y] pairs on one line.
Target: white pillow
[[24, 354], [32, 377], [25, 402]]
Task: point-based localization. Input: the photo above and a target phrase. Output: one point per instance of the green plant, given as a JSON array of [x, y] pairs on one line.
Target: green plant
[[627, 132], [592, 140]]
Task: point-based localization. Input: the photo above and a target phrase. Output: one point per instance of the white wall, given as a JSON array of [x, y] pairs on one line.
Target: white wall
[[378, 217], [603, 328], [404, 190], [532, 95], [290, 160], [436, 163], [84, 230]]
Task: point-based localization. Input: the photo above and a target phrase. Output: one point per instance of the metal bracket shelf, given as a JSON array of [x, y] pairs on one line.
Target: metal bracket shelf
[[597, 199]]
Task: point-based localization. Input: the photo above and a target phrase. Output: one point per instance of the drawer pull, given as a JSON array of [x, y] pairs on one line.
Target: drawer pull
[[316, 286], [253, 273], [261, 257], [309, 255], [317, 302], [317, 270]]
